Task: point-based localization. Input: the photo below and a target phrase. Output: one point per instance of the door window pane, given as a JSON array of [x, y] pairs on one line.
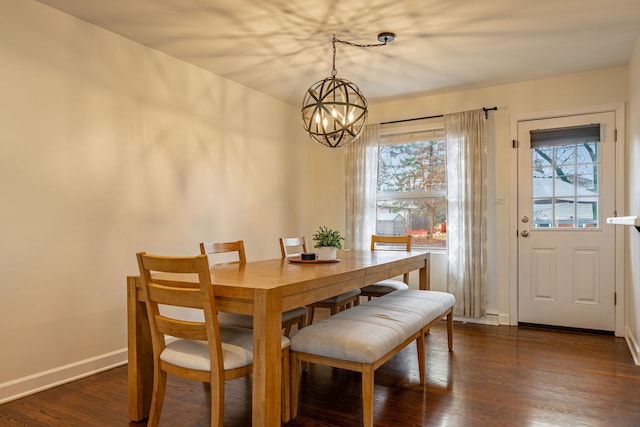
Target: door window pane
[[542, 156], [587, 178], [542, 177], [565, 154], [565, 182]]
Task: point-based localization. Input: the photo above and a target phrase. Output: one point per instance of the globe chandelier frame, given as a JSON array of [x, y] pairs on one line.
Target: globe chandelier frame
[[334, 110]]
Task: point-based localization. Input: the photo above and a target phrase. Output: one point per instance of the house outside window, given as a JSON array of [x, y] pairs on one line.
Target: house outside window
[[412, 187]]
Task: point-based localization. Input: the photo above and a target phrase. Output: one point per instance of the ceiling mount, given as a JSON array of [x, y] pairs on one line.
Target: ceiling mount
[[386, 37]]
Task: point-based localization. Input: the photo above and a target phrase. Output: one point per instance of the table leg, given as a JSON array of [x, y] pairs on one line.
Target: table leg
[[267, 324], [140, 354]]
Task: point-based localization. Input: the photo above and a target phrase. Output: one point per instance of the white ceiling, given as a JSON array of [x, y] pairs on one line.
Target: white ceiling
[[281, 47]]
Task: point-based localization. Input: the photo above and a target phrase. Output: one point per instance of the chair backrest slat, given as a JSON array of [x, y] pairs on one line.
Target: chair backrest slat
[[181, 328], [212, 248], [174, 295], [292, 246], [391, 243], [170, 264]]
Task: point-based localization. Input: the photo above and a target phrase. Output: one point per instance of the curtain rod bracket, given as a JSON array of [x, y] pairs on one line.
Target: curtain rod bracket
[[486, 111]]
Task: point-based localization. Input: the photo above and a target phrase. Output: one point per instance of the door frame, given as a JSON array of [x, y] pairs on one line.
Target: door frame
[[620, 204]]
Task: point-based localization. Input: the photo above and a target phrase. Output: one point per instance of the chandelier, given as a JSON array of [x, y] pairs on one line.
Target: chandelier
[[334, 111]]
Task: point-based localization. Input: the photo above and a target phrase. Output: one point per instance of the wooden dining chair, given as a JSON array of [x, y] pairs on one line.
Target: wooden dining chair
[[294, 246], [389, 243], [233, 252], [200, 350]]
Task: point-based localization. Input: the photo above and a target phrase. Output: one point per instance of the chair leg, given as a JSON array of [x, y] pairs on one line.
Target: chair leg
[[312, 311], [157, 397], [295, 384], [286, 386], [367, 396], [217, 403]]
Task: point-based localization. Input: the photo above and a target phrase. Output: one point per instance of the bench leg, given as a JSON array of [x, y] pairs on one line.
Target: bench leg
[[420, 342], [367, 396]]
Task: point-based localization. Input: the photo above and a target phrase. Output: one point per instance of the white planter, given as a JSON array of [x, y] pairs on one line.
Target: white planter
[[327, 253]]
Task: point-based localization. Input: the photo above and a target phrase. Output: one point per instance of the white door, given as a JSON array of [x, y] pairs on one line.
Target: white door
[[566, 188]]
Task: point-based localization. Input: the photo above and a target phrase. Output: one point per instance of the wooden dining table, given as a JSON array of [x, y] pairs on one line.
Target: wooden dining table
[[264, 289]]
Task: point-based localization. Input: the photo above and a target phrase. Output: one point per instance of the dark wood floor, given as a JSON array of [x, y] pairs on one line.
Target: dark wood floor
[[496, 376]]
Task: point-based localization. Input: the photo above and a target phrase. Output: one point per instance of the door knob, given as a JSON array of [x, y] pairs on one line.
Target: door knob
[[524, 233]]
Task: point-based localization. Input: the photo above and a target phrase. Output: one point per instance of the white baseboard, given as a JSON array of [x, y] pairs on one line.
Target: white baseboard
[[494, 319], [504, 319], [634, 348], [20, 387], [488, 319]]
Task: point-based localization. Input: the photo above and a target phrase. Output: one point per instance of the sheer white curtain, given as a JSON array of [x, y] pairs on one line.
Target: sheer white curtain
[[361, 165], [467, 211]]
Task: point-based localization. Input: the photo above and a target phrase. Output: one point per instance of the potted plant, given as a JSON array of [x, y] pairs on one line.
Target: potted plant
[[328, 241]]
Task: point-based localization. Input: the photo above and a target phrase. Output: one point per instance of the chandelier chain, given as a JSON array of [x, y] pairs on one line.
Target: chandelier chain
[[335, 40]]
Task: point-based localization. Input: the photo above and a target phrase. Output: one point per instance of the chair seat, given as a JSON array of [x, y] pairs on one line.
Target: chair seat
[[237, 349], [341, 298], [384, 287], [246, 321]]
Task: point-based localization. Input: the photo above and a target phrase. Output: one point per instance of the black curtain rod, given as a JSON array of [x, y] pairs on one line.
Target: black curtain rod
[[485, 109]]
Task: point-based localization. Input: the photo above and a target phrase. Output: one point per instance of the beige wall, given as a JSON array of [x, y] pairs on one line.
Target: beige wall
[[632, 291], [108, 148]]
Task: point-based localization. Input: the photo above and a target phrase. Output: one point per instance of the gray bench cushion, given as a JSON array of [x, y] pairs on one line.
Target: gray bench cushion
[[369, 331], [430, 304]]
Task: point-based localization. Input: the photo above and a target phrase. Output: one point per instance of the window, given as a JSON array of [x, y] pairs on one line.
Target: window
[[565, 177], [412, 187]]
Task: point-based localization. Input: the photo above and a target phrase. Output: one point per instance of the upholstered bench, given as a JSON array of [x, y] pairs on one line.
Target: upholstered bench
[[364, 337]]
